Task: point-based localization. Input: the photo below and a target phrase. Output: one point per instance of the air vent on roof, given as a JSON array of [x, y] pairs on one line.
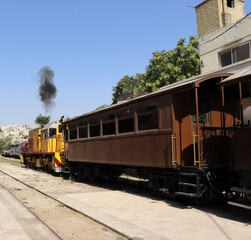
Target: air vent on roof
[[131, 95], [101, 107]]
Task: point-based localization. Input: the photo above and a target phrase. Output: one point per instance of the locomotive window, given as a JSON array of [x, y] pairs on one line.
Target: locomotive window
[[95, 128], [83, 133], [148, 117], [60, 128], [52, 132], [126, 121], [108, 123], [44, 134], [65, 133], [73, 131]]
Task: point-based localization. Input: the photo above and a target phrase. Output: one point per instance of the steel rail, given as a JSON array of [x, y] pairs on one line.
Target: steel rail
[[66, 205], [35, 215]]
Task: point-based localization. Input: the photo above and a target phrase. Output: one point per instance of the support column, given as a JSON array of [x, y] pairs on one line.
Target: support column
[[198, 125]]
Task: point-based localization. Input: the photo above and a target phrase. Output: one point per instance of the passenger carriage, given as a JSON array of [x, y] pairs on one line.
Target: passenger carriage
[[180, 138]]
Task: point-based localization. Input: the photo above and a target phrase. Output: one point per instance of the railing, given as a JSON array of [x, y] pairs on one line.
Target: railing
[[216, 146]]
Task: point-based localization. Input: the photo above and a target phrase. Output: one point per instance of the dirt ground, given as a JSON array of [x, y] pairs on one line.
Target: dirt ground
[[65, 222], [128, 209]]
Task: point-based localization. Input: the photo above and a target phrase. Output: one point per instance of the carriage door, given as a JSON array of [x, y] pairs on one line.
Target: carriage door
[[183, 127]]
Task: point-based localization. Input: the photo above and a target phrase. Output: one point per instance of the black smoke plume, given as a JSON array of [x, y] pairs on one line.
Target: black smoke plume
[[47, 90]]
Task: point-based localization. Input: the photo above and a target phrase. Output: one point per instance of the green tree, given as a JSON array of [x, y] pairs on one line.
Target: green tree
[[5, 143], [42, 120], [166, 67], [126, 85]]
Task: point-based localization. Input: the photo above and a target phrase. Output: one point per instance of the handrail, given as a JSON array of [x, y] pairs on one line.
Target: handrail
[[194, 150], [173, 138]]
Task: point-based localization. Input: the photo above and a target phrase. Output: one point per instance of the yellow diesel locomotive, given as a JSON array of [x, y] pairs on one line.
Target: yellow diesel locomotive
[[45, 148]]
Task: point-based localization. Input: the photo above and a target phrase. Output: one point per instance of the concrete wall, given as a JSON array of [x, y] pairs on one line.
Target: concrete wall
[[221, 40]]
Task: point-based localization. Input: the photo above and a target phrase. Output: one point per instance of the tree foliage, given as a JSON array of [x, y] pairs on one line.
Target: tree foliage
[[42, 120], [166, 67], [5, 143]]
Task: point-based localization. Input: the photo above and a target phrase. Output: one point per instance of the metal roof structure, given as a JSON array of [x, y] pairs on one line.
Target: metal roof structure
[[242, 74], [51, 125]]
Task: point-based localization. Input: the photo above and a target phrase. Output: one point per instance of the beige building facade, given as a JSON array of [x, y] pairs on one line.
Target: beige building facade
[[223, 48]]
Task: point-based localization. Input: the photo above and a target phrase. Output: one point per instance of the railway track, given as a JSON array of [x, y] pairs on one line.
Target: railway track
[[12, 190], [34, 214]]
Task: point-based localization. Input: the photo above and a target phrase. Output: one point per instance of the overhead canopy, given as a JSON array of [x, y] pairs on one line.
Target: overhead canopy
[[238, 76]]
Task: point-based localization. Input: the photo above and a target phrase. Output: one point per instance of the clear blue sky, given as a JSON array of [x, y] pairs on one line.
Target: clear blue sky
[[89, 44]]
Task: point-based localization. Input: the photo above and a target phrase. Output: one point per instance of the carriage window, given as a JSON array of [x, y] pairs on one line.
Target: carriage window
[[52, 132], [126, 121], [203, 110], [108, 123], [82, 128], [95, 128], [148, 117], [73, 131]]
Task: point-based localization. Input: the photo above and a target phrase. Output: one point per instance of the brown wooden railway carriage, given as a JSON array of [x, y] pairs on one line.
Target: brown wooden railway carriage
[[237, 89], [177, 137]]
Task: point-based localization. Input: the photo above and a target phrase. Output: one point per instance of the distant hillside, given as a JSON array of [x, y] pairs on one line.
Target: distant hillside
[[18, 133]]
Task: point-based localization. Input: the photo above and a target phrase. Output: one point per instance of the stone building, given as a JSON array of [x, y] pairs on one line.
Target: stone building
[[224, 35]]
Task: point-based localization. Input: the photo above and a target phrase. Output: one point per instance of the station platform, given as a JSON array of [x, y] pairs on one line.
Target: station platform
[[18, 223]]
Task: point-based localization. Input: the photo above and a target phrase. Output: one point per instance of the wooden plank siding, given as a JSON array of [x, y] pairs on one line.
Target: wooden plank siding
[[149, 148]]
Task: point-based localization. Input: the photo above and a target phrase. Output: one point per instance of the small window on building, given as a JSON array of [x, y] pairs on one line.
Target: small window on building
[[108, 124], [148, 117], [82, 130], [95, 128], [230, 3], [73, 131], [235, 55], [226, 58], [126, 121], [241, 53]]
